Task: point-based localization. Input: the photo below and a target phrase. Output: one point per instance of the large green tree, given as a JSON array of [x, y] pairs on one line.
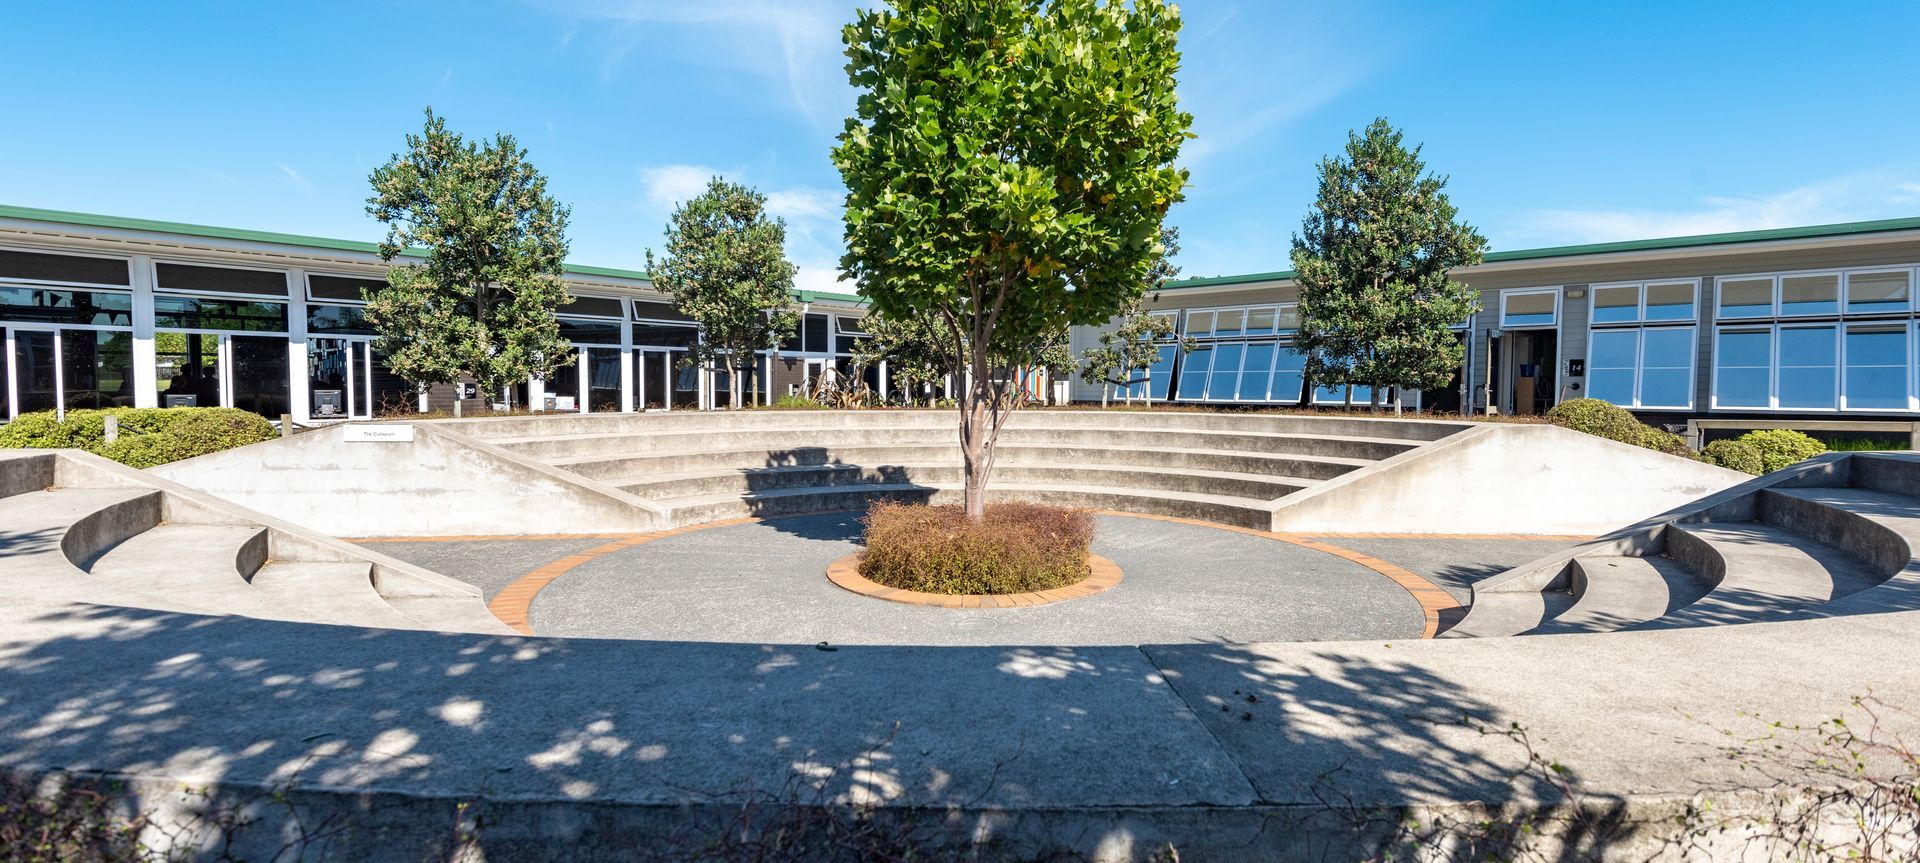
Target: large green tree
[[1372, 256], [1007, 171], [726, 267], [480, 301], [1133, 346]]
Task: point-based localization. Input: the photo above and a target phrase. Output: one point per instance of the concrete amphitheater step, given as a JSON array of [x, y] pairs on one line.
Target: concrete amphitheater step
[[1761, 572], [199, 568], [1613, 592], [79, 523], [635, 468], [330, 592], [746, 480], [1245, 512], [1496, 615], [1244, 440], [451, 614]]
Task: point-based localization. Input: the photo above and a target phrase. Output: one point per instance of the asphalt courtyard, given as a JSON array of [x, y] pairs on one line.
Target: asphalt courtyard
[[764, 582]]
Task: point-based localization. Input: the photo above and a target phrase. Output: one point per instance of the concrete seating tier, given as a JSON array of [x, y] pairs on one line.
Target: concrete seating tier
[[1228, 468], [83, 529], [1829, 537]]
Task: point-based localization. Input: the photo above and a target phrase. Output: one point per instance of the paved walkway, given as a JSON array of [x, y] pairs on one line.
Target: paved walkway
[[764, 582]]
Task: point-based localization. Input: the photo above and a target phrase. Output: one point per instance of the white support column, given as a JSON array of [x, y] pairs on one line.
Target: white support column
[[298, 382], [146, 373], [766, 394], [627, 377], [536, 394], [583, 383]]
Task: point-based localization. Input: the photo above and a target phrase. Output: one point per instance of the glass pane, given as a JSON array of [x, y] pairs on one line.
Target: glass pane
[[590, 332], [1289, 375], [1289, 319], [343, 288], [1256, 372], [97, 368], [44, 267], [224, 280], [1665, 388], [1526, 310], [1226, 372], [565, 384], [1741, 378], [260, 375], [1807, 368], [1260, 321], [198, 314], [1616, 304], [1810, 295], [1160, 377], [1878, 292], [344, 320], [1330, 395], [1614, 349], [1364, 395], [187, 369], [1672, 301], [1746, 298], [1669, 348], [1199, 323], [33, 370], [51, 306], [1611, 385], [1666, 367], [1193, 374], [327, 361], [603, 380], [1877, 368], [1227, 323]]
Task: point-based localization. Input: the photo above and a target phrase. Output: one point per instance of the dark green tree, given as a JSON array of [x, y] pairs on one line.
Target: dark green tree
[[1007, 171], [480, 302], [726, 267], [915, 350], [1373, 255], [1132, 347]]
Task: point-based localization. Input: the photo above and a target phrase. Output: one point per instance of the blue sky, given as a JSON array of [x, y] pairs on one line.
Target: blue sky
[[1557, 122]]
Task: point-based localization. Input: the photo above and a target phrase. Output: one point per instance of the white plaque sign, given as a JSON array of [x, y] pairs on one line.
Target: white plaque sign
[[379, 434]]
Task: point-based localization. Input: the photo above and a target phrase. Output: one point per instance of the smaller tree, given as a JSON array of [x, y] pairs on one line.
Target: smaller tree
[[1377, 305], [916, 351], [1130, 349], [481, 303], [726, 267]]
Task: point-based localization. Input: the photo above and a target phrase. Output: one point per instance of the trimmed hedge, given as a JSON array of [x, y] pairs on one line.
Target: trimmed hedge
[[1734, 455], [1018, 547], [1615, 423], [1782, 447], [148, 436]]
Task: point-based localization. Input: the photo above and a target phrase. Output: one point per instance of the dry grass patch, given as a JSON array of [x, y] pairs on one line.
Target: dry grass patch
[[1017, 548]]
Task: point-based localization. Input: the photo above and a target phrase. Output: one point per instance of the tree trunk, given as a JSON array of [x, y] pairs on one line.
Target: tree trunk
[[1103, 395], [981, 415], [1373, 399], [733, 387]]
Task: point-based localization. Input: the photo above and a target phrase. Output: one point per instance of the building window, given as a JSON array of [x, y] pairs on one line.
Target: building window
[[1636, 356], [1837, 364], [1746, 298], [1242, 355], [1743, 368], [1876, 367], [1533, 307], [1879, 292]]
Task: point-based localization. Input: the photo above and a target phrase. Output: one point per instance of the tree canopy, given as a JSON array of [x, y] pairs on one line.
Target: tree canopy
[[1376, 302], [480, 300], [726, 267], [1133, 346], [1007, 171]]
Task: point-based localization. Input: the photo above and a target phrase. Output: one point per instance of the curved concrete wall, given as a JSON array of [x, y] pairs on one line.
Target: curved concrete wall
[[439, 483], [1505, 478]]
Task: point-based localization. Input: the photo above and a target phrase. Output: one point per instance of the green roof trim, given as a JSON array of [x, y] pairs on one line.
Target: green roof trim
[[1810, 232], [95, 220]]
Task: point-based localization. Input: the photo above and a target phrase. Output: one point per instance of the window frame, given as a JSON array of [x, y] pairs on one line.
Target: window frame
[[1558, 312], [285, 297], [55, 250]]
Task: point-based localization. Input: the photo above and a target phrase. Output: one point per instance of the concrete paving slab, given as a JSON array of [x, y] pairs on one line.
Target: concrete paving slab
[[486, 564], [1454, 563]]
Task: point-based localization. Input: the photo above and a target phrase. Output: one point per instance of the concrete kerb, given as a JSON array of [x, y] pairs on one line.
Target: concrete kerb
[[658, 512], [391, 577]]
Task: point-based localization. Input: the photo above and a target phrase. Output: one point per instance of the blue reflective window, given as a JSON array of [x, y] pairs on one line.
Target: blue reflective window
[[1746, 298], [1537, 308], [1160, 377], [1335, 394], [1611, 361], [1810, 295], [1876, 374], [1289, 375], [1878, 292], [1672, 301], [1193, 373], [1666, 367], [1807, 367], [1742, 370], [1617, 304], [1226, 372], [1256, 372]]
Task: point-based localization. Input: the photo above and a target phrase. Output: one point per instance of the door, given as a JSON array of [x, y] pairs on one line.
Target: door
[[33, 373], [653, 373], [340, 378]]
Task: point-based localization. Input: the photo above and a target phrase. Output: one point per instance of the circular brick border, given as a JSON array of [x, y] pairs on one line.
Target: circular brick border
[[845, 574]]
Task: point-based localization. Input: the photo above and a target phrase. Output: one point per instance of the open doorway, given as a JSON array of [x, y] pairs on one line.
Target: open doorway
[[1527, 363]]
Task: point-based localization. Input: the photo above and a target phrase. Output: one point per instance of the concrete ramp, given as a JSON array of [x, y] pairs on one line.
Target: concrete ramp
[[409, 479], [1504, 478]]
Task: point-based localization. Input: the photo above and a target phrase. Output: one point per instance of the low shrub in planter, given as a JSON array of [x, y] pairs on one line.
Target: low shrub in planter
[[1018, 547], [148, 436], [1734, 455], [1615, 423], [1781, 447]]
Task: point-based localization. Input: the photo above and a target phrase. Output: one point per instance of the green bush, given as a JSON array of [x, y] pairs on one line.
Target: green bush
[[1734, 455], [1779, 448], [148, 436], [1018, 547], [1610, 421]]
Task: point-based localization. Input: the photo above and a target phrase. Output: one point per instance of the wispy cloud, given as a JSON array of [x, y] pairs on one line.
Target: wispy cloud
[[794, 44], [663, 187], [1840, 199], [295, 177], [812, 216]]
